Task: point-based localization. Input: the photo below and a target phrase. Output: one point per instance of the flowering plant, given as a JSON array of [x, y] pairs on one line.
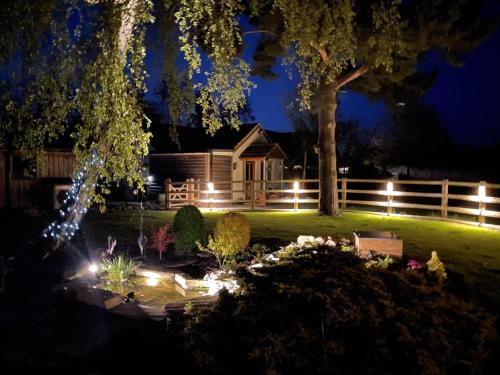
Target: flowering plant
[[414, 265], [161, 238]]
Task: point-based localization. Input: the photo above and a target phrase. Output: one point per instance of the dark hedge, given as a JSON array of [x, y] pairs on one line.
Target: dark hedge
[[328, 314], [188, 228]]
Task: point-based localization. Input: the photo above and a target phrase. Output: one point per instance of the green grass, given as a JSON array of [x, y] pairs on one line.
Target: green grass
[[471, 251]]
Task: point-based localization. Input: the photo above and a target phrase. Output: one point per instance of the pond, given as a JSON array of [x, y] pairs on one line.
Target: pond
[[151, 292]]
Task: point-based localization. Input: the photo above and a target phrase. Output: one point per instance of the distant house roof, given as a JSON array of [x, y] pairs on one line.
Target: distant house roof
[[263, 150], [197, 139]]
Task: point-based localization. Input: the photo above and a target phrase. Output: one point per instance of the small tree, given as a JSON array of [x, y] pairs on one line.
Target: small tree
[[232, 236], [161, 238]]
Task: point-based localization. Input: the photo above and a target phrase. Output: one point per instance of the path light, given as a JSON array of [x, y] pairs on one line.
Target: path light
[[93, 268], [150, 179]]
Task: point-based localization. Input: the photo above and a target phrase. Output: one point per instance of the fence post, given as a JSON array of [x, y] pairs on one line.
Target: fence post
[[344, 193], [390, 189], [296, 195], [190, 189], [482, 201], [252, 195], [444, 198], [167, 193]]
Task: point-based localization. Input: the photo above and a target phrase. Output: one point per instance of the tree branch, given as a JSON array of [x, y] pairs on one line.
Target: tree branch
[[351, 76], [260, 32], [321, 51]]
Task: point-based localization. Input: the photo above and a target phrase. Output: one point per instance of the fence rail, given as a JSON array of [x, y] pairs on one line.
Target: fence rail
[[477, 202]]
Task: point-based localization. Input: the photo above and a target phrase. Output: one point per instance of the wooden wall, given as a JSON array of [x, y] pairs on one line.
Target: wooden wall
[[221, 171], [55, 164], [27, 191], [179, 167], [22, 193]]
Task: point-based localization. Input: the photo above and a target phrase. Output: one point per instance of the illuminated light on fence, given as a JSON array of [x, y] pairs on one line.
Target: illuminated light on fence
[[211, 191], [150, 179], [390, 191], [390, 187], [482, 193], [295, 195]]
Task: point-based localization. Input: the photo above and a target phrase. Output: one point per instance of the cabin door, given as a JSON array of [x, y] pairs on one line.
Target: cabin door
[[249, 177]]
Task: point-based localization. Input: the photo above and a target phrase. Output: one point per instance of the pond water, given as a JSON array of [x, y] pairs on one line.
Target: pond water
[[145, 293]]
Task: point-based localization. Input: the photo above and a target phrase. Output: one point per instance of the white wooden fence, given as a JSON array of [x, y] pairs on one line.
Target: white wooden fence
[[477, 202]]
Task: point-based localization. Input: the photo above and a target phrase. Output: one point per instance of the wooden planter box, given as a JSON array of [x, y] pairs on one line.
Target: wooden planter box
[[382, 242]]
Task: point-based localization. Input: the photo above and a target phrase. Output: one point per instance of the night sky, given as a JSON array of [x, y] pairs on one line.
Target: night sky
[[466, 98]]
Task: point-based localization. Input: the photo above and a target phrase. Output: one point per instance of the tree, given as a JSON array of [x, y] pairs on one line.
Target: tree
[[83, 73], [84, 69], [333, 44], [412, 136]]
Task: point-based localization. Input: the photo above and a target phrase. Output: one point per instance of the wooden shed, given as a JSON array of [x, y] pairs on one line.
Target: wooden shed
[[230, 155], [25, 183]]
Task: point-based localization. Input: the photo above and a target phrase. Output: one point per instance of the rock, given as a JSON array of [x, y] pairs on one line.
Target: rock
[[330, 243], [113, 302], [271, 257], [319, 241], [305, 240], [256, 265]]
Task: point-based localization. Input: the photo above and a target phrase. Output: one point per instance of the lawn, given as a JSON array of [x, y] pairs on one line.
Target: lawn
[[470, 251]]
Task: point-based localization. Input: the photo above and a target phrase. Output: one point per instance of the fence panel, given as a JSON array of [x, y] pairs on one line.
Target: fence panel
[[475, 202]]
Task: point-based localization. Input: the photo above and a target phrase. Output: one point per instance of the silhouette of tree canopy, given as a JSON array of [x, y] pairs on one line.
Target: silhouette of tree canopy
[[84, 60]]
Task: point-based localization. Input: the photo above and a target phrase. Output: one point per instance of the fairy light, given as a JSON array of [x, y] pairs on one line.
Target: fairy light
[[66, 224]]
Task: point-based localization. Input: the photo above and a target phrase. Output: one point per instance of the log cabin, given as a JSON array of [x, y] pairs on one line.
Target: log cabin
[[230, 155]]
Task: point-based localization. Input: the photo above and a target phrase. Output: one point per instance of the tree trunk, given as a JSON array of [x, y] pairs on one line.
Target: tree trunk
[[328, 198], [304, 171], [8, 178]]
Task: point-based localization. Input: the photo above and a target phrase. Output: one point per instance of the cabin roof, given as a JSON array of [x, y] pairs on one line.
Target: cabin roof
[[197, 139], [263, 150]]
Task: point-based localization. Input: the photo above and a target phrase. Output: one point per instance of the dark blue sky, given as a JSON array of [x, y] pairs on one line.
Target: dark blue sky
[[466, 98]]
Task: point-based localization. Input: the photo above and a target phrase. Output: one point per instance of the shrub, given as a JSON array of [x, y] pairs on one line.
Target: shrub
[[232, 233], [346, 318], [232, 236], [119, 269], [259, 251], [380, 263], [161, 238], [435, 266], [188, 227]]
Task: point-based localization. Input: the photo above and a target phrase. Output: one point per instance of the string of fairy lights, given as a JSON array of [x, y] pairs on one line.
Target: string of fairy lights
[[74, 205]]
